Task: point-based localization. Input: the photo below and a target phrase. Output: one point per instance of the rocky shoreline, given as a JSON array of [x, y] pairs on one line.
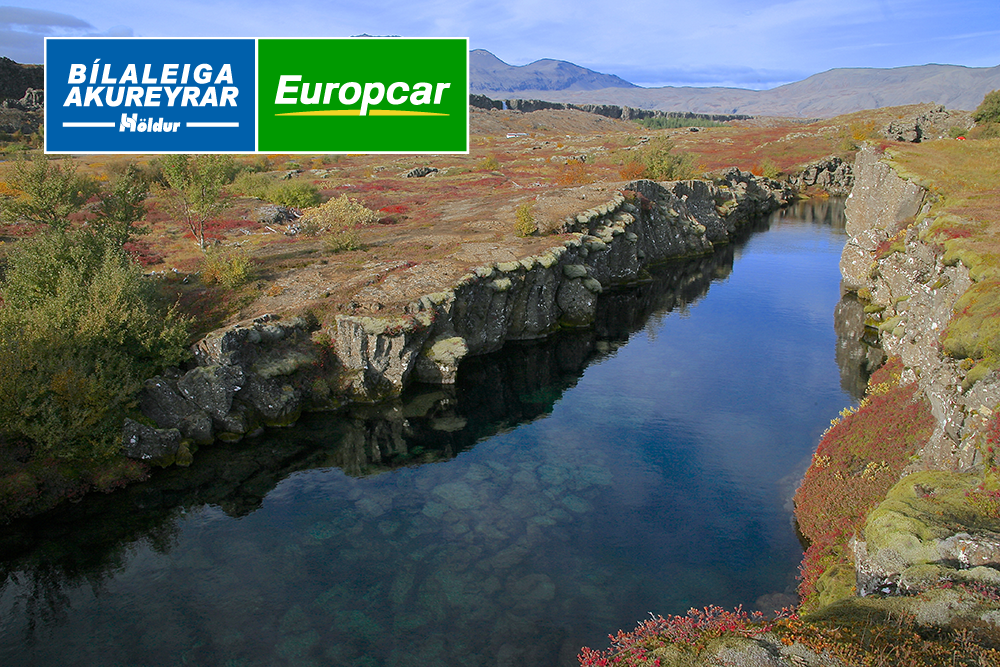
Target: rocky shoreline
[[911, 289], [926, 562], [267, 371]]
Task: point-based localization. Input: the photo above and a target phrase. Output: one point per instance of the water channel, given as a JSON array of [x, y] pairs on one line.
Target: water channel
[[561, 491]]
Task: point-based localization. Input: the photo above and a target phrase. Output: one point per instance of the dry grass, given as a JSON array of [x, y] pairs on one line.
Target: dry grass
[[428, 220]]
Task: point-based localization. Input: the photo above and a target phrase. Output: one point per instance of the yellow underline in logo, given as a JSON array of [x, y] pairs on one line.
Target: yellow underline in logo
[[357, 112]]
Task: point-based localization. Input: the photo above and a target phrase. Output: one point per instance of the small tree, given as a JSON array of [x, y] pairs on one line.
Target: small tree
[[989, 110], [123, 206], [662, 163], [196, 183], [45, 192], [524, 221]]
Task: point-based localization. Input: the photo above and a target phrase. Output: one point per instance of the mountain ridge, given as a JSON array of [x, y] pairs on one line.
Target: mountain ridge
[[489, 73], [823, 95]]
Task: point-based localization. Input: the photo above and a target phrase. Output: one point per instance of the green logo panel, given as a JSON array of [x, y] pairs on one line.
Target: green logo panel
[[363, 95]]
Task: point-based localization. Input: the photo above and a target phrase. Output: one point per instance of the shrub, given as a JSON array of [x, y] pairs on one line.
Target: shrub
[[231, 268], [524, 221], [79, 332], [257, 164], [252, 184], [769, 169], [574, 172], [294, 194], [340, 213], [196, 183], [689, 634], [857, 461], [632, 170], [490, 163], [864, 130], [123, 206], [343, 241], [662, 163], [45, 192], [988, 110]]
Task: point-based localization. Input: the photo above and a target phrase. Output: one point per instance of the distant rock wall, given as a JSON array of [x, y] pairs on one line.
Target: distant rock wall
[[16, 79], [266, 372], [607, 110], [831, 174]]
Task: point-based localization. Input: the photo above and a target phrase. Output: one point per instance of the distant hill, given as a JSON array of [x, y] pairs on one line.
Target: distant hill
[[490, 75], [16, 78], [830, 93], [823, 95]]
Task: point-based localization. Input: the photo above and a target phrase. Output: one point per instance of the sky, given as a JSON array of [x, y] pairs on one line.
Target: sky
[[743, 44]]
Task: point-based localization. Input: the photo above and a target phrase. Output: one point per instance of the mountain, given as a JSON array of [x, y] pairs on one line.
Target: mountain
[[489, 74], [830, 93]]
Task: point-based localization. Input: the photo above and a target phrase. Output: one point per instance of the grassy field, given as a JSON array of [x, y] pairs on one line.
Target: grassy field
[[470, 201]]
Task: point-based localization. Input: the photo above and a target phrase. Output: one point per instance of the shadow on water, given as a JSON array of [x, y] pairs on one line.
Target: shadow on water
[[86, 544], [493, 393]]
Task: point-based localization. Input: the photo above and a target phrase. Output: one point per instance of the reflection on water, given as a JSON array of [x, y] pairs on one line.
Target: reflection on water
[[858, 353], [560, 491]]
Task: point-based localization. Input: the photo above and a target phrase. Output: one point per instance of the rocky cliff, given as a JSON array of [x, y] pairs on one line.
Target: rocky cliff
[[937, 530], [266, 372], [911, 289], [17, 79]]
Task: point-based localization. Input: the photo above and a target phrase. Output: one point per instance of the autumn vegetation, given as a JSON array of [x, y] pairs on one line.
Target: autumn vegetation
[[113, 265]]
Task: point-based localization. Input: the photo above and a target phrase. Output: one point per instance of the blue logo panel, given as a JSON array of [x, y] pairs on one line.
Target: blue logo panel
[[130, 95]]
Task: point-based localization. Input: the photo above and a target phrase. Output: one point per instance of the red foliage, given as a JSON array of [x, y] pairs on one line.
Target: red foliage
[[222, 225], [692, 631], [856, 463], [366, 186], [142, 253]]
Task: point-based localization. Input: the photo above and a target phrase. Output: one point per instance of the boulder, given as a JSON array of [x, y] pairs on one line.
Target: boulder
[[272, 214], [577, 303], [160, 401], [420, 172], [438, 362], [278, 402], [927, 531], [156, 446], [212, 388]]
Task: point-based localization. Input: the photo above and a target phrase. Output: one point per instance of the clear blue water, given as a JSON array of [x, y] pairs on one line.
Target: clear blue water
[[562, 491]]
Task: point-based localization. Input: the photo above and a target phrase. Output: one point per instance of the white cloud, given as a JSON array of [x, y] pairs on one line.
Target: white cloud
[[39, 21], [22, 31]]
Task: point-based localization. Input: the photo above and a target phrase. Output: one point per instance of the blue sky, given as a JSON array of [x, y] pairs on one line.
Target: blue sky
[[652, 43]]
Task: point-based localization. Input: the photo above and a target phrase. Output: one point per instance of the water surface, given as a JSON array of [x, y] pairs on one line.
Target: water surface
[[563, 490]]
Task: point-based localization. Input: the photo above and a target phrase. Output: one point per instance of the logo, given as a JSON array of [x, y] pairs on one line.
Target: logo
[[363, 95], [356, 95], [105, 95]]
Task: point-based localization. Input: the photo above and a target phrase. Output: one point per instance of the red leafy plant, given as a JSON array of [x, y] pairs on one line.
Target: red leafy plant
[[691, 632], [857, 461]]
